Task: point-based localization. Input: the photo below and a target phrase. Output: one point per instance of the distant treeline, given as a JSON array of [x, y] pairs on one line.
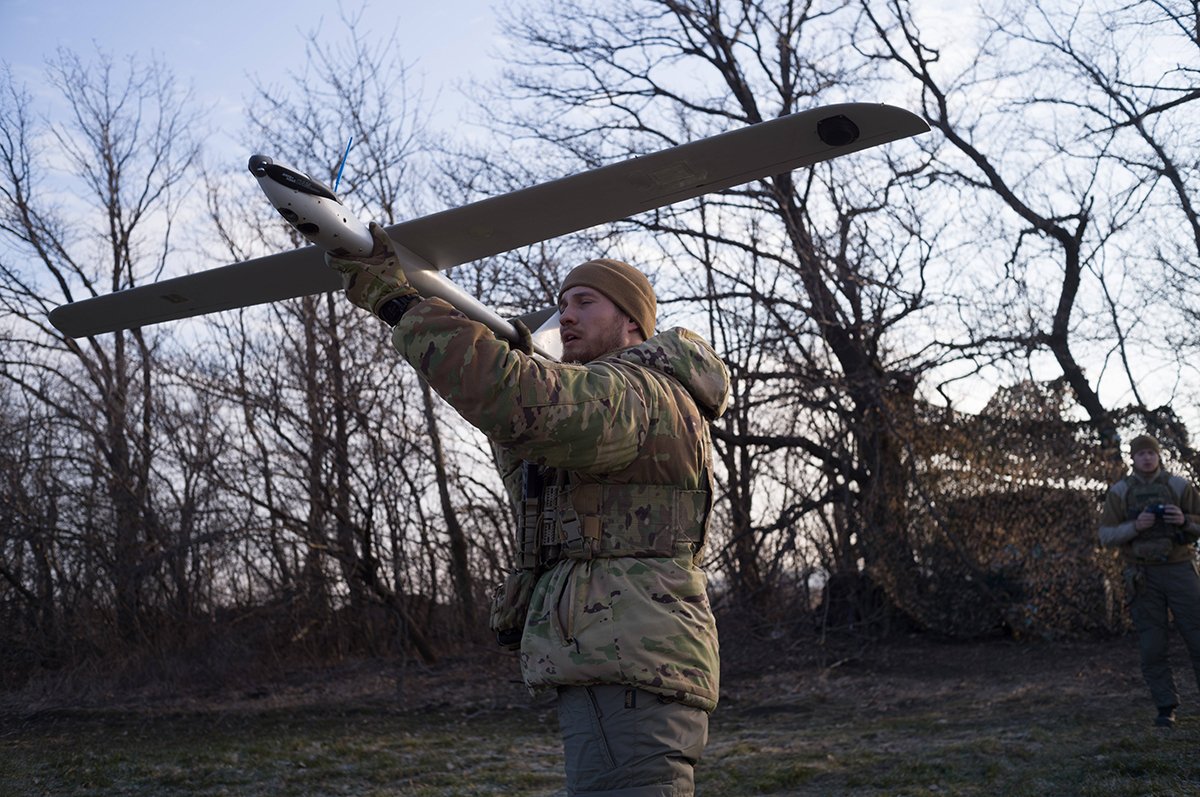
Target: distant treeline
[[936, 347]]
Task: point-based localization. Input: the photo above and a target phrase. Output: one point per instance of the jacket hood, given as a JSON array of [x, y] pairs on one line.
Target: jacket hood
[[689, 359]]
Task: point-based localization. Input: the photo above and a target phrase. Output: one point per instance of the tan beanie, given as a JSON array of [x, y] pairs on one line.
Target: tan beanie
[[1142, 442], [625, 285]]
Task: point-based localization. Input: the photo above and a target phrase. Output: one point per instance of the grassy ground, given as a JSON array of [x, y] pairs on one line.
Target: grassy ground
[[909, 718]]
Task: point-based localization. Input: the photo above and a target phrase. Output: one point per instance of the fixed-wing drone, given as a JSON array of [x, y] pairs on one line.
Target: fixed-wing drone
[[434, 243]]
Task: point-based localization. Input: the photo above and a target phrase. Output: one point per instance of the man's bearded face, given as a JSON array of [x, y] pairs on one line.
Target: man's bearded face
[[591, 325]]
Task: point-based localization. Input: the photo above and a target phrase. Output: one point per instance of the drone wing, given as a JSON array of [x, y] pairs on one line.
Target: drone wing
[[499, 224]]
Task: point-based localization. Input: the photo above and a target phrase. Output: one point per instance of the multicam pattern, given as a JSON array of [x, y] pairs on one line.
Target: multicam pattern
[[375, 279], [637, 417]]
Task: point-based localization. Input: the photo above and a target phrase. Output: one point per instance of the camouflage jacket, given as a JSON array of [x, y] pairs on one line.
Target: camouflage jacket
[[636, 416], [1161, 543]]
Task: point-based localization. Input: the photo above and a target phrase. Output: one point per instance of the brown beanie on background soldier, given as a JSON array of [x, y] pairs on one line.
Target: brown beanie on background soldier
[[1153, 518]]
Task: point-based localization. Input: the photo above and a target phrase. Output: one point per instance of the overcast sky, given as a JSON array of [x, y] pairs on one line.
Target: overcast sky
[[216, 45]]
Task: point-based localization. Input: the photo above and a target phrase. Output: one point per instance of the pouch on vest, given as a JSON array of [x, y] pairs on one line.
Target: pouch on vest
[[612, 520], [511, 599], [1155, 550], [529, 518], [1134, 578], [510, 605], [1152, 545]]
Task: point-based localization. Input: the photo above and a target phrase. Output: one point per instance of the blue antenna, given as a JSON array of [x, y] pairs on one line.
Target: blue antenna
[[345, 155]]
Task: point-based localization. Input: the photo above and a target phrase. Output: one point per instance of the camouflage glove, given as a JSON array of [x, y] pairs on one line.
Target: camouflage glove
[[376, 282], [525, 344]]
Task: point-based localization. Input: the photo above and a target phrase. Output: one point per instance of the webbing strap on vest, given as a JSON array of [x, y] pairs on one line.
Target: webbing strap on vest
[[608, 520], [528, 534]]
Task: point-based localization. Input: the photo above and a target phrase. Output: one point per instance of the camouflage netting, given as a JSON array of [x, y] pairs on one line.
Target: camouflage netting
[[1002, 518]]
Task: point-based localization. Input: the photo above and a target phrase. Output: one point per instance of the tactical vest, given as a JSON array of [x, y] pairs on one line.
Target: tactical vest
[[1155, 545], [586, 520]]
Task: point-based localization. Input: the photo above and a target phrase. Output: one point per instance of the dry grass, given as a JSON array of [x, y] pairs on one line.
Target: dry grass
[[910, 718]]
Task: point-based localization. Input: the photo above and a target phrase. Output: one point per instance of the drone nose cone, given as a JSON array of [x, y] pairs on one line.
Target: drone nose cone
[[258, 165]]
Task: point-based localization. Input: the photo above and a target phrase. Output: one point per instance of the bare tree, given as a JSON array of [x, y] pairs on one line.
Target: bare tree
[[1058, 122], [799, 288], [376, 448], [1060, 139], [1133, 90], [103, 223]]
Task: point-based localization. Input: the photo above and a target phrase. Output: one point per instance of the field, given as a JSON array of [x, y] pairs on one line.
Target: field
[[911, 717]]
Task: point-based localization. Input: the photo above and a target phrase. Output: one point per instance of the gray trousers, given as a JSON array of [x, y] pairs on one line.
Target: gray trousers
[[625, 742], [1175, 587]]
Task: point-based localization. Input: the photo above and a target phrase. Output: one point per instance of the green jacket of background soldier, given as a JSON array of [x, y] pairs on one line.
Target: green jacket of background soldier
[[624, 601], [1161, 544]]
